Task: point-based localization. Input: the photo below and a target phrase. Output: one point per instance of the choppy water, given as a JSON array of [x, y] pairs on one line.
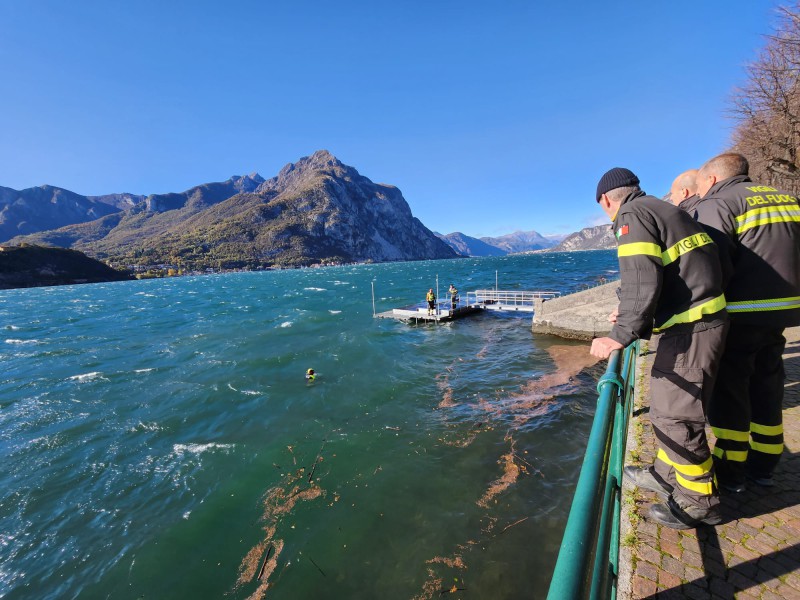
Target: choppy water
[[158, 439]]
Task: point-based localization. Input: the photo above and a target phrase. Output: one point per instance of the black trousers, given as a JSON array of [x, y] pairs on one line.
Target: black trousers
[[682, 379], [745, 412]]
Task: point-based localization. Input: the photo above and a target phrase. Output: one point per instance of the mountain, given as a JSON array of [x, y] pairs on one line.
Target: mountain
[[47, 207], [600, 237], [470, 246], [33, 266], [316, 210], [519, 241]]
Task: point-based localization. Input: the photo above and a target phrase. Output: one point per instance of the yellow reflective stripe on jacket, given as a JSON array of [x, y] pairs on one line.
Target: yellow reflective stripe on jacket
[[695, 313], [689, 470], [732, 455], [638, 248], [766, 429], [687, 244], [730, 434], [767, 215], [765, 304]]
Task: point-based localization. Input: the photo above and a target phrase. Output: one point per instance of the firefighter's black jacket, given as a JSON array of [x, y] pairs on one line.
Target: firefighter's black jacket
[[669, 270], [758, 228]]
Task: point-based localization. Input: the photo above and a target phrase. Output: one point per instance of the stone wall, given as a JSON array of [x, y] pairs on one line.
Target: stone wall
[[579, 316]]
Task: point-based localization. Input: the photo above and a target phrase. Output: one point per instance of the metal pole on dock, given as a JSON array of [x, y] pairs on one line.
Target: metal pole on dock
[[495, 282], [373, 298], [437, 294]]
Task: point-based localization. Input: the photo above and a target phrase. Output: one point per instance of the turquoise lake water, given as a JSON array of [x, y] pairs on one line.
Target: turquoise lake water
[[159, 440]]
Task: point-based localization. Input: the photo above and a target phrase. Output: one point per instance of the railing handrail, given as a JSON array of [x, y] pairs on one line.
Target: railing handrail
[[592, 531]]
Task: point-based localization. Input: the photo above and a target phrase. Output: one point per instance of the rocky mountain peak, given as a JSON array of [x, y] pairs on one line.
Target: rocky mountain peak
[[294, 174]]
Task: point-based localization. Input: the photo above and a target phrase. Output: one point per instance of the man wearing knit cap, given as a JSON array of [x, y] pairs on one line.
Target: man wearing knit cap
[[670, 283]]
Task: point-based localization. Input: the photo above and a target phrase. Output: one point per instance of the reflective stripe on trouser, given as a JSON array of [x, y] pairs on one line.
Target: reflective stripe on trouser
[[745, 411], [682, 378]]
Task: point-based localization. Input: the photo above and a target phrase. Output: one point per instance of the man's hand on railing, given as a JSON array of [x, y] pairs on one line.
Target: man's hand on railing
[[603, 347]]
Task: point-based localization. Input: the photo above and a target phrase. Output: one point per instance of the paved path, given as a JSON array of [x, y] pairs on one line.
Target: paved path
[[755, 553]]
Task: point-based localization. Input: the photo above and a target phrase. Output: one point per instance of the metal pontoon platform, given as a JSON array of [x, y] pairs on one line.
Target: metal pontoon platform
[[477, 301]]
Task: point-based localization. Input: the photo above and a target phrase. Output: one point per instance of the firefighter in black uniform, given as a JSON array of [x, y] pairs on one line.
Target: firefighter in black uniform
[[758, 228], [671, 283], [683, 192]]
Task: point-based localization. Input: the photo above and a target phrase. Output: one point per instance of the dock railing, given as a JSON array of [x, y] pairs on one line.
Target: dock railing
[[587, 565], [508, 298]]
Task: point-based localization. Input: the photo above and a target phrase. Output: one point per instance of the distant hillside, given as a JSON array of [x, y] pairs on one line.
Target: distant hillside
[[600, 237], [517, 242], [470, 246], [47, 207], [34, 266], [520, 241], [316, 210]]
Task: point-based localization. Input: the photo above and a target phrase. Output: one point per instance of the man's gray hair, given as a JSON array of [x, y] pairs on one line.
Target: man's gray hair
[[726, 165], [619, 194]]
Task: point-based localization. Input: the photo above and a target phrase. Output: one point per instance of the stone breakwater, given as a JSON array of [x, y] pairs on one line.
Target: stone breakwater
[[579, 316]]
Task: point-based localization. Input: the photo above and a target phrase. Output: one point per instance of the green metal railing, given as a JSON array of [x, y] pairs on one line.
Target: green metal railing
[[589, 556]]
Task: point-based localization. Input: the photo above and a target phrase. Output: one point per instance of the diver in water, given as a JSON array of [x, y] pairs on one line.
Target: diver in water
[[311, 375]]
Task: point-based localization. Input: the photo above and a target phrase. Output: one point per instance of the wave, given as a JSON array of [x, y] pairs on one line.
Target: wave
[[334, 312], [14, 341], [286, 324], [200, 448], [93, 376], [315, 289]]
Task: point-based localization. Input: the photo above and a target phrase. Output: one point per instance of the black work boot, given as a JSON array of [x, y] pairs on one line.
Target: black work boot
[[643, 477], [673, 516]]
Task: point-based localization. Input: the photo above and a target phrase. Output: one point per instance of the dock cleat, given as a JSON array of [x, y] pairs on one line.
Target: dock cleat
[[643, 477]]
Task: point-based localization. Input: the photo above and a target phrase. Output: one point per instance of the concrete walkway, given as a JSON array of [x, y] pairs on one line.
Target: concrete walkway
[[755, 553]]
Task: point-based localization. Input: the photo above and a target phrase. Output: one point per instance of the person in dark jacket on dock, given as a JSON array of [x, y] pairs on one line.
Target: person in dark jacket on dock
[[453, 296], [670, 283], [758, 229]]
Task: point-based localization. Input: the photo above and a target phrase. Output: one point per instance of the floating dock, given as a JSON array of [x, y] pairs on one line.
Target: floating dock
[[477, 301]]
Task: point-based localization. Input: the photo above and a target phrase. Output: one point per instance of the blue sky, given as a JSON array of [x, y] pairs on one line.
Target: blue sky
[[489, 117]]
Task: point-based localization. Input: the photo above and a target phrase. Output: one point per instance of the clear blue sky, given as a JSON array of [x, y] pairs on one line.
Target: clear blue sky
[[490, 117]]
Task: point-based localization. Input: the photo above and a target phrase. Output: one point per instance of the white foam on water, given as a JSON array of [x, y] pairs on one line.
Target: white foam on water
[[186, 514], [251, 392], [200, 448], [94, 376], [286, 324], [13, 327], [13, 341], [233, 388], [315, 289], [334, 312], [144, 370]]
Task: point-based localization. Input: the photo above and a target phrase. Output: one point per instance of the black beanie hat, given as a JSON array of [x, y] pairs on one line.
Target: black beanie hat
[[615, 178]]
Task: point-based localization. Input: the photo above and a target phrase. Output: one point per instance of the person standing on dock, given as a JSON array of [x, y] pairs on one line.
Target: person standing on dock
[[431, 298], [671, 282], [758, 227], [453, 297]]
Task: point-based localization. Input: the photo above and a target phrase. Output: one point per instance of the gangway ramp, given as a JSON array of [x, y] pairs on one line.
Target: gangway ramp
[[508, 300]]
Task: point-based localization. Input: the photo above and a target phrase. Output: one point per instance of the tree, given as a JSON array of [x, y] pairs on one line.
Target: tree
[[767, 107]]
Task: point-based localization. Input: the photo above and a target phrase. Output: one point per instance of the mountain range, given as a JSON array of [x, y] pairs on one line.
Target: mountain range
[[315, 211]]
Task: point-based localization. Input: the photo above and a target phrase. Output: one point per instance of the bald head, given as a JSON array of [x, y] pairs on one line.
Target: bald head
[[720, 168], [684, 186]]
